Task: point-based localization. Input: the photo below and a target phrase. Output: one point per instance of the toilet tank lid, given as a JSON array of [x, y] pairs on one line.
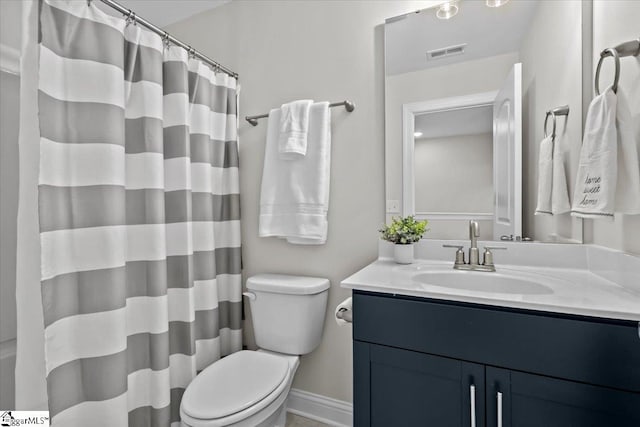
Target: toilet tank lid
[[287, 284]]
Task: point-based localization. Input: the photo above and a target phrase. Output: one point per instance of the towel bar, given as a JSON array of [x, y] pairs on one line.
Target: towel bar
[[630, 48], [348, 105]]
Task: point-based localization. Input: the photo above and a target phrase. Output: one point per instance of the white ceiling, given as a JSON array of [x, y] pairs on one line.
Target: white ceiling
[[165, 12], [486, 31], [462, 121]]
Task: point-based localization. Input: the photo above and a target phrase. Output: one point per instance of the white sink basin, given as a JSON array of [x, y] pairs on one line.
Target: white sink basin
[[492, 282]]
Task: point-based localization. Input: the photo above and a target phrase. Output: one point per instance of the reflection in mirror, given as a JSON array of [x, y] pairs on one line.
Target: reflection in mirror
[[462, 137], [432, 61]]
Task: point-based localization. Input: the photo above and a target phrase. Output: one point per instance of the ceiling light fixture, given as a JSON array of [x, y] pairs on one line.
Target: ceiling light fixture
[[417, 134], [496, 3], [448, 10]]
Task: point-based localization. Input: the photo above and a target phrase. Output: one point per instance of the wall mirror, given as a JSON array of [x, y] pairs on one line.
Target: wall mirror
[[465, 104]]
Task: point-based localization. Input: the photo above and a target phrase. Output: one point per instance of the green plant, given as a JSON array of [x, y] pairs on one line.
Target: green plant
[[403, 231]]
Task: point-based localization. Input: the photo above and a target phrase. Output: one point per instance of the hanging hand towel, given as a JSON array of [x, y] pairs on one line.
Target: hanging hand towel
[[595, 188], [628, 182], [545, 176], [294, 127], [559, 189], [294, 196]]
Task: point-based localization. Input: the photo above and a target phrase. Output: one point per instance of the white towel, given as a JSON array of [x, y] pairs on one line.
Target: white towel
[[559, 187], [294, 197], [294, 127], [553, 196], [628, 182], [545, 177], [595, 189]]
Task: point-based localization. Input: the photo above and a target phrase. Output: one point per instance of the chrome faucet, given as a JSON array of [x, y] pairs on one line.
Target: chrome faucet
[[474, 253]]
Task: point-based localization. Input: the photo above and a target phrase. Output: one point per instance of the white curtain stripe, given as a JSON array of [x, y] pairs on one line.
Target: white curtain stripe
[[144, 170], [66, 80], [82, 249], [139, 212], [148, 388], [104, 413], [182, 369], [69, 165], [83, 336], [143, 99]]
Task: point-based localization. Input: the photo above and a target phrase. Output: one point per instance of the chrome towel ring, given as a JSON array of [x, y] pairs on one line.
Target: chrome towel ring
[[558, 111], [630, 48]]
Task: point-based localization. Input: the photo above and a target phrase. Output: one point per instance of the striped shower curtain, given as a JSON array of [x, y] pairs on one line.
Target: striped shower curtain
[[139, 218]]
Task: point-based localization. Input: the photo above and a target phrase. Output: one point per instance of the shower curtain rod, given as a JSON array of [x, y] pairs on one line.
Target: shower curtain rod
[[166, 36]]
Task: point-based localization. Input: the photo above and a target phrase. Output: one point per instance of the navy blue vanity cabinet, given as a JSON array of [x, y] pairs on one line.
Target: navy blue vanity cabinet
[[423, 362]]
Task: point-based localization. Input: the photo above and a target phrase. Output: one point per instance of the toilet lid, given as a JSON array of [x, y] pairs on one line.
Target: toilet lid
[[233, 384]]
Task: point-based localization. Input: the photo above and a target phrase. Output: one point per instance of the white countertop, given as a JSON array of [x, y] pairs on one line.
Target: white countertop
[[574, 291]]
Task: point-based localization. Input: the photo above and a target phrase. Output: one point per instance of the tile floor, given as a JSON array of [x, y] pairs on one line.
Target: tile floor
[[298, 421]]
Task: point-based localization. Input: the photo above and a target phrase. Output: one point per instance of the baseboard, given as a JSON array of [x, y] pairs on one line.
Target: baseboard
[[320, 408]]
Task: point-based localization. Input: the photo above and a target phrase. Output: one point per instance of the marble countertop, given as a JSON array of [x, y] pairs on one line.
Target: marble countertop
[[573, 291]]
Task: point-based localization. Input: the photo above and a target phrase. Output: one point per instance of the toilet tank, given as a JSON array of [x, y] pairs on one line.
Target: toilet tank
[[288, 312]]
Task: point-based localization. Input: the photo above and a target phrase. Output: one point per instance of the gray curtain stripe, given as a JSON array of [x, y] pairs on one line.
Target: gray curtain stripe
[[182, 338], [145, 206], [147, 278], [142, 63], [184, 205], [85, 205], [207, 324], [99, 205], [176, 398], [79, 207], [180, 271], [83, 292], [175, 78], [202, 149], [89, 379], [143, 135], [80, 122], [150, 416], [77, 38], [230, 314], [147, 351]]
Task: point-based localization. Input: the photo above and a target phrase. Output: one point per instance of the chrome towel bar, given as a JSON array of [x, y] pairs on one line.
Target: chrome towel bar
[[348, 105]]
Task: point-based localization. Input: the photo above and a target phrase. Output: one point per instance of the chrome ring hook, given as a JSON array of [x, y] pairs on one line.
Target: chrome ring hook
[[546, 119], [616, 57]]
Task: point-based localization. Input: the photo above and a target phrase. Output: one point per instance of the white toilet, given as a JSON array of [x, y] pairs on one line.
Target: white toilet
[[250, 388]]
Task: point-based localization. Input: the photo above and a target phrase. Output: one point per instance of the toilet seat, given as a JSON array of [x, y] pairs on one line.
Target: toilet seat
[[246, 382]]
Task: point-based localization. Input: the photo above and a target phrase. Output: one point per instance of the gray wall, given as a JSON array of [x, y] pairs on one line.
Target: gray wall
[[9, 114], [286, 50]]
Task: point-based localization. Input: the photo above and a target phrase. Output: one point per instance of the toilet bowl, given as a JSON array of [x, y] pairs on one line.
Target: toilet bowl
[[250, 388]]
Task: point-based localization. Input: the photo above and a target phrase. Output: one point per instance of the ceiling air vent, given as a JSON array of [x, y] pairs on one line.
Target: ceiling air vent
[[445, 52]]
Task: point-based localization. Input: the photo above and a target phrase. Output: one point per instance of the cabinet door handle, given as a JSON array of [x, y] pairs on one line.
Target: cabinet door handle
[[472, 392], [499, 399]]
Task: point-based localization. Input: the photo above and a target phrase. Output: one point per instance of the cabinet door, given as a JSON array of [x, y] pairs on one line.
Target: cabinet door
[[532, 400], [395, 387]]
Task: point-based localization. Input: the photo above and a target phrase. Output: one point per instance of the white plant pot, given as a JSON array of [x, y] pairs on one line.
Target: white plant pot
[[403, 254]]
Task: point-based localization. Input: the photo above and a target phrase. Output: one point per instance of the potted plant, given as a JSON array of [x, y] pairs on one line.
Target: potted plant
[[403, 232]]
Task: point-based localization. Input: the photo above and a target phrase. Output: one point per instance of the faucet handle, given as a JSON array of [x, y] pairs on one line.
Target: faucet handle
[[488, 255], [459, 253]]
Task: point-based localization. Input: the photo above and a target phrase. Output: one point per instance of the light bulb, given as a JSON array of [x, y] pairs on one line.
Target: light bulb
[[496, 3], [448, 10]]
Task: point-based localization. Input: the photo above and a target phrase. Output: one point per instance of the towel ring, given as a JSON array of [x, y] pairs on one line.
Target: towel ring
[[546, 118], [616, 57]]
